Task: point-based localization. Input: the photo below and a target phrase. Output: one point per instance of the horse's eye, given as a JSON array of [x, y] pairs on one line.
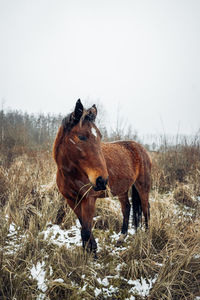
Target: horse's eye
[[82, 137]]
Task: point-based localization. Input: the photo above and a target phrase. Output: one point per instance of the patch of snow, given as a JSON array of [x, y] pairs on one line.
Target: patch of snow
[[197, 298], [12, 229], [59, 280], [99, 280], [84, 288], [38, 273], [105, 281], [97, 292], [115, 236], [131, 298], [110, 290], [158, 264], [141, 286], [51, 271], [119, 267], [97, 265], [96, 218], [183, 211], [14, 239], [131, 231], [106, 288], [61, 237]]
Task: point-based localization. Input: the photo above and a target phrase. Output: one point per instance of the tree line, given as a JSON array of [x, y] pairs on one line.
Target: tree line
[[21, 132]]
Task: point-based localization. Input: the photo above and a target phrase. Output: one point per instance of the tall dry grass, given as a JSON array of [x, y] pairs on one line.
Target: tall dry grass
[[167, 256]]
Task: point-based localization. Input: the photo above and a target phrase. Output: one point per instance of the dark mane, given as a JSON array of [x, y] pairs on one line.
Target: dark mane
[[57, 142], [66, 125], [69, 122]]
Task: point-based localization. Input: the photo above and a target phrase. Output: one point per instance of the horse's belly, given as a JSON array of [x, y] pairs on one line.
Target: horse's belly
[[120, 183], [122, 167]]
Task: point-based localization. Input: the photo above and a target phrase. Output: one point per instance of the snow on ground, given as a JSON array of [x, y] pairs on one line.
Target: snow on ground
[[131, 298], [14, 239], [59, 237], [141, 286], [38, 273]]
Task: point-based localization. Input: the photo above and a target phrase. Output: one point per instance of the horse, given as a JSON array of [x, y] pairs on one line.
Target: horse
[[87, 167]]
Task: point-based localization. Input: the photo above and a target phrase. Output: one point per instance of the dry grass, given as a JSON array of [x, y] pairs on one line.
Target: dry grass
[[167, 257], [177, 164], [185, 196]]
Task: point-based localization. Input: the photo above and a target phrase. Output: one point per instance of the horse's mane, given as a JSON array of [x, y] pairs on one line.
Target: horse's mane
[[57, 142]]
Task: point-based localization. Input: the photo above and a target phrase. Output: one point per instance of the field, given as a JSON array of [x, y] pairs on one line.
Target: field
[[40, 259]]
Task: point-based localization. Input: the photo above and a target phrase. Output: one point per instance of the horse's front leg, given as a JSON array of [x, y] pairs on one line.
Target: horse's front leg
[[87, 214]]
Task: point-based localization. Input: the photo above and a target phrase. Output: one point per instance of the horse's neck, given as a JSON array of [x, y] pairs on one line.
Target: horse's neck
[[70, 171], [68, 168], [74, 181]]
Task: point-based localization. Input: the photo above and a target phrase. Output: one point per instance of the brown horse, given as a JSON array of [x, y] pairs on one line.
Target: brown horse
[[85, 166]]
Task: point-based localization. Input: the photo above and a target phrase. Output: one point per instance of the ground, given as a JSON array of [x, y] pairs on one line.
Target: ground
[[42, 260]]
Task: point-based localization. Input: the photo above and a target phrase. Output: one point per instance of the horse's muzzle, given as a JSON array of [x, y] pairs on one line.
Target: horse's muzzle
[[100, 184]]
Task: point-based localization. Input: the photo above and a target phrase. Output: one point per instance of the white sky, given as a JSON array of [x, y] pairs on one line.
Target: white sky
[[140, 58]]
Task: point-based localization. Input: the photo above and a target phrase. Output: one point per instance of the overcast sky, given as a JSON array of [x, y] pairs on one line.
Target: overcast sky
[[138, 58]]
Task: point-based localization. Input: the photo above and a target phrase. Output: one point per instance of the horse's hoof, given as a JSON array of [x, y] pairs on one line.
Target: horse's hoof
[[121, 239]]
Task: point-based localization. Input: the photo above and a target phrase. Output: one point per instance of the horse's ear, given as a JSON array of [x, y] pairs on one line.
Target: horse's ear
[[72, 119], [92, 113], [78, 110], [94, 108]]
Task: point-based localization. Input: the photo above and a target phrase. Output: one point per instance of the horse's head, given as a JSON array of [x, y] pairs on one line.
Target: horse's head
[[82, 143]]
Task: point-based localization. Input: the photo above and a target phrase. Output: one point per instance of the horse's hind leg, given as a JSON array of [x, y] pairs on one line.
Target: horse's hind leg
[[137, 208], [144, 196], [125, 206], [146, 210]]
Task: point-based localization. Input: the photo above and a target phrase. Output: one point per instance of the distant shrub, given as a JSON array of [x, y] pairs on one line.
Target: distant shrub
[[183, 195], [174, 164]]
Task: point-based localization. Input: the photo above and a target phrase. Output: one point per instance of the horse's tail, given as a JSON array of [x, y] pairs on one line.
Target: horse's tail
[[137, 208]]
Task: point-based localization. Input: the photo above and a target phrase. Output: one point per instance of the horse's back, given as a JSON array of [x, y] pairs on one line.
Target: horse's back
[[126, 161]]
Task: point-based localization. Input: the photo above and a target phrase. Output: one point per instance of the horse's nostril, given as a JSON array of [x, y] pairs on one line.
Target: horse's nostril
[[101, 183]]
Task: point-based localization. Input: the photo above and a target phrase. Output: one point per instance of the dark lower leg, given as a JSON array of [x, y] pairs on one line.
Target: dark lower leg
[[126, 214], [87, 214], [88, 240], [125, 206], [147, 216], [137, 209]]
